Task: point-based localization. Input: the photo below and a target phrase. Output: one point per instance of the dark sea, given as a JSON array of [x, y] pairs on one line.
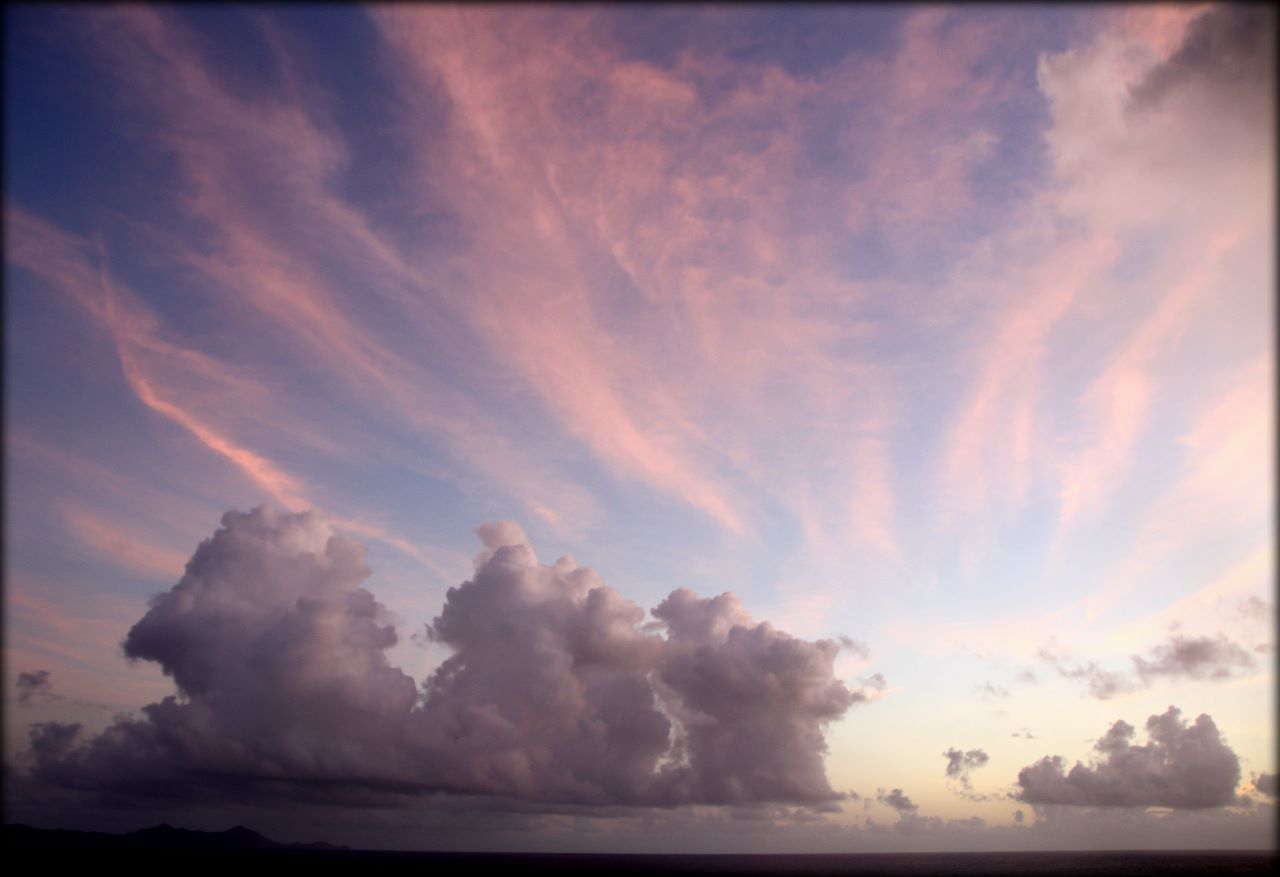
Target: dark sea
[[1121, 864]]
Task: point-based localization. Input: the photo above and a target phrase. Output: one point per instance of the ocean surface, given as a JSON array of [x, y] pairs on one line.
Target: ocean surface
[[1122, 864]]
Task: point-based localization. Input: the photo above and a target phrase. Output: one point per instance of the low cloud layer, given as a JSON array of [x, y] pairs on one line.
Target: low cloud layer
[[1183, 766], [1179, 657], [554, 692]]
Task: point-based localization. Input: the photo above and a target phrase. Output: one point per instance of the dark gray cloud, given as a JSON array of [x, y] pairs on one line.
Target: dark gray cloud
[[1182, 766], [1194, 657], [897, 800], [1265, 783], [51, 740], [1228, 53], [1199, 657], [33, 685], [960, 763], [555, 693]]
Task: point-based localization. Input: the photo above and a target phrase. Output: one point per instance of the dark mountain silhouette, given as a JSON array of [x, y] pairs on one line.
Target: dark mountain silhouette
[[159, 837]]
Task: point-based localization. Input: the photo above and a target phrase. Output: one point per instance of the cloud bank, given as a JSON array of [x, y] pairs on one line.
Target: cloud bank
[[554, 693], [1184, 766]]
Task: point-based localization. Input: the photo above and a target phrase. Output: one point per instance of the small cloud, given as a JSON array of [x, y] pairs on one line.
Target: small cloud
[[1195, 658], [35, 685], [960, 763], [875, 681], [897, 800], [861, 649], [1023, 734], [1201, 658], [870, 688], [1102, 684], [987, 690], [1254, 608]]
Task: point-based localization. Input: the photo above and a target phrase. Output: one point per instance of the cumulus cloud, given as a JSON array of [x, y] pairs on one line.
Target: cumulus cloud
[[897, 800], [555, 693], [33, 685], [1199, 657], [1182, 766]]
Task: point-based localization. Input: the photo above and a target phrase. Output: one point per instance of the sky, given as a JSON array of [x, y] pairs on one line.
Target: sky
[[635, 429]]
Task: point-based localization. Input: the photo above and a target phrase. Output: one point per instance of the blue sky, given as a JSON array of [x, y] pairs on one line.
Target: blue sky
[[939, 335]]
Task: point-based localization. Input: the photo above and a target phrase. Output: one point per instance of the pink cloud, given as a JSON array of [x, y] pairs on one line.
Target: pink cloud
[[1117, 401], [1225, 480], [151, 365], [271, 271], [61, 260], [976, 467], [736, 295], [126, 548]]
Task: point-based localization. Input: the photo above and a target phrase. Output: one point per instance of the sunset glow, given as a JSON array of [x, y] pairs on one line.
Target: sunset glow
[[844, 421]]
